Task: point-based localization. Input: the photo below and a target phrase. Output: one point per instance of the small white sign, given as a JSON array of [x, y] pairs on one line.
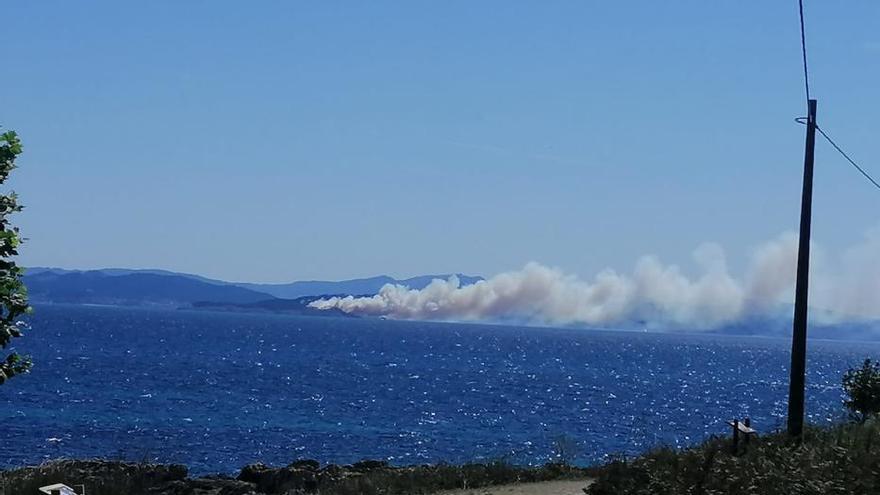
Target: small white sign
[[58, 489]]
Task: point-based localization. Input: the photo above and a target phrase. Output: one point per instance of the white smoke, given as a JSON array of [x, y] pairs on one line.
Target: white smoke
[[852, 287], [654, 293]]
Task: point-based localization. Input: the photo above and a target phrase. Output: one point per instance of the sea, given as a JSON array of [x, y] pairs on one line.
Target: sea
[[216, 391]]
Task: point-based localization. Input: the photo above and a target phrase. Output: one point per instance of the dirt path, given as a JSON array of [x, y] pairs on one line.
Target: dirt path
[[542, 488]]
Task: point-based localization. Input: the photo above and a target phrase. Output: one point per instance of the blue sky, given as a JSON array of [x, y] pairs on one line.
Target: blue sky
[[273, 141]]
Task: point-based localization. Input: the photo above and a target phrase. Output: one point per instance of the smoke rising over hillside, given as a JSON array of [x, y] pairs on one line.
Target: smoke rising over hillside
[[652, 292]]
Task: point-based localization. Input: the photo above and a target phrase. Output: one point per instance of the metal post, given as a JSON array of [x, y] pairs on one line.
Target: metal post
[[799, 332]]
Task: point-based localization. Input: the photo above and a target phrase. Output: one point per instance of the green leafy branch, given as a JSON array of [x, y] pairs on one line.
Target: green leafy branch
[[13, 293]]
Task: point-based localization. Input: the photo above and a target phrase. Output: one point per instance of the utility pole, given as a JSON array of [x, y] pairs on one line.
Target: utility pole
[[799, 332]]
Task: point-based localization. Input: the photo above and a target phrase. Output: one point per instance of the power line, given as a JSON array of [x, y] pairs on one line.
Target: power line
[[850, 160], [807, 91], [804, 49], [803, 121]]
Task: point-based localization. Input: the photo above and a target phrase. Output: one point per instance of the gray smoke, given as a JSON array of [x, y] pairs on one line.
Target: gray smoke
[[653, 292]]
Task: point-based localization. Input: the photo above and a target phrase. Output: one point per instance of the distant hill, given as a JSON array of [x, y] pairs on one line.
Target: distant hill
[[121, 286], [35, 270], [355, 286], [131, 289]]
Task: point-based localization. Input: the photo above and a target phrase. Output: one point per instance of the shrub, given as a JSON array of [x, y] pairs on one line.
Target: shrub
[[862, 385], [13, 296]]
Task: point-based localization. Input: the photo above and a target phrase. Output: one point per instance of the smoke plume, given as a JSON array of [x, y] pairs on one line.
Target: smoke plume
[[653, 293]]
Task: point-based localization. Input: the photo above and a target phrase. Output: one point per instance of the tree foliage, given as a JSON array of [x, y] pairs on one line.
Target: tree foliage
[[862, 386], [13, 294]]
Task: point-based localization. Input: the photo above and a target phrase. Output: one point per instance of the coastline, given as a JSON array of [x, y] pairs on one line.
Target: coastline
[[106, 477], [830, 459]]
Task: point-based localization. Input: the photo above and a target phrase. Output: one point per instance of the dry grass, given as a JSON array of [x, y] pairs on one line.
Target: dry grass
[[843, 459]]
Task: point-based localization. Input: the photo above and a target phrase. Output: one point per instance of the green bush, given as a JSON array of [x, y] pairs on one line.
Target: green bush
[[13, 296], [862, 385]]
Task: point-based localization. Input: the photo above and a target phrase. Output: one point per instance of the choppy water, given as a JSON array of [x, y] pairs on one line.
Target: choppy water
[[216, 391]]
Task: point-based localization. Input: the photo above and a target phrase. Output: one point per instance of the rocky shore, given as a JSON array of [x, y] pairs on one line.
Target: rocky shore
[[102, 477]]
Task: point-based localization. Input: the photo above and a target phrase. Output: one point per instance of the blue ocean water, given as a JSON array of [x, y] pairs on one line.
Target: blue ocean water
[[216, 391]]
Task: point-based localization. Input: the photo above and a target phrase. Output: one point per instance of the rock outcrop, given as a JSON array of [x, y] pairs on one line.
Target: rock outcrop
[[301, 477]]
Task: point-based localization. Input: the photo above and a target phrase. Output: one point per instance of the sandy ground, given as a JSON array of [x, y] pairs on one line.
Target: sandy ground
[[543, 488]]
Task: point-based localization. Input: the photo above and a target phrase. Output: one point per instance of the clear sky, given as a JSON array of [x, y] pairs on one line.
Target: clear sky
[[274, 141]]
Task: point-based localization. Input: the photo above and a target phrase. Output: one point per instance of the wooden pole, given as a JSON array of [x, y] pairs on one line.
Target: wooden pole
[[735, 435], [748, 423], [796, 382]]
